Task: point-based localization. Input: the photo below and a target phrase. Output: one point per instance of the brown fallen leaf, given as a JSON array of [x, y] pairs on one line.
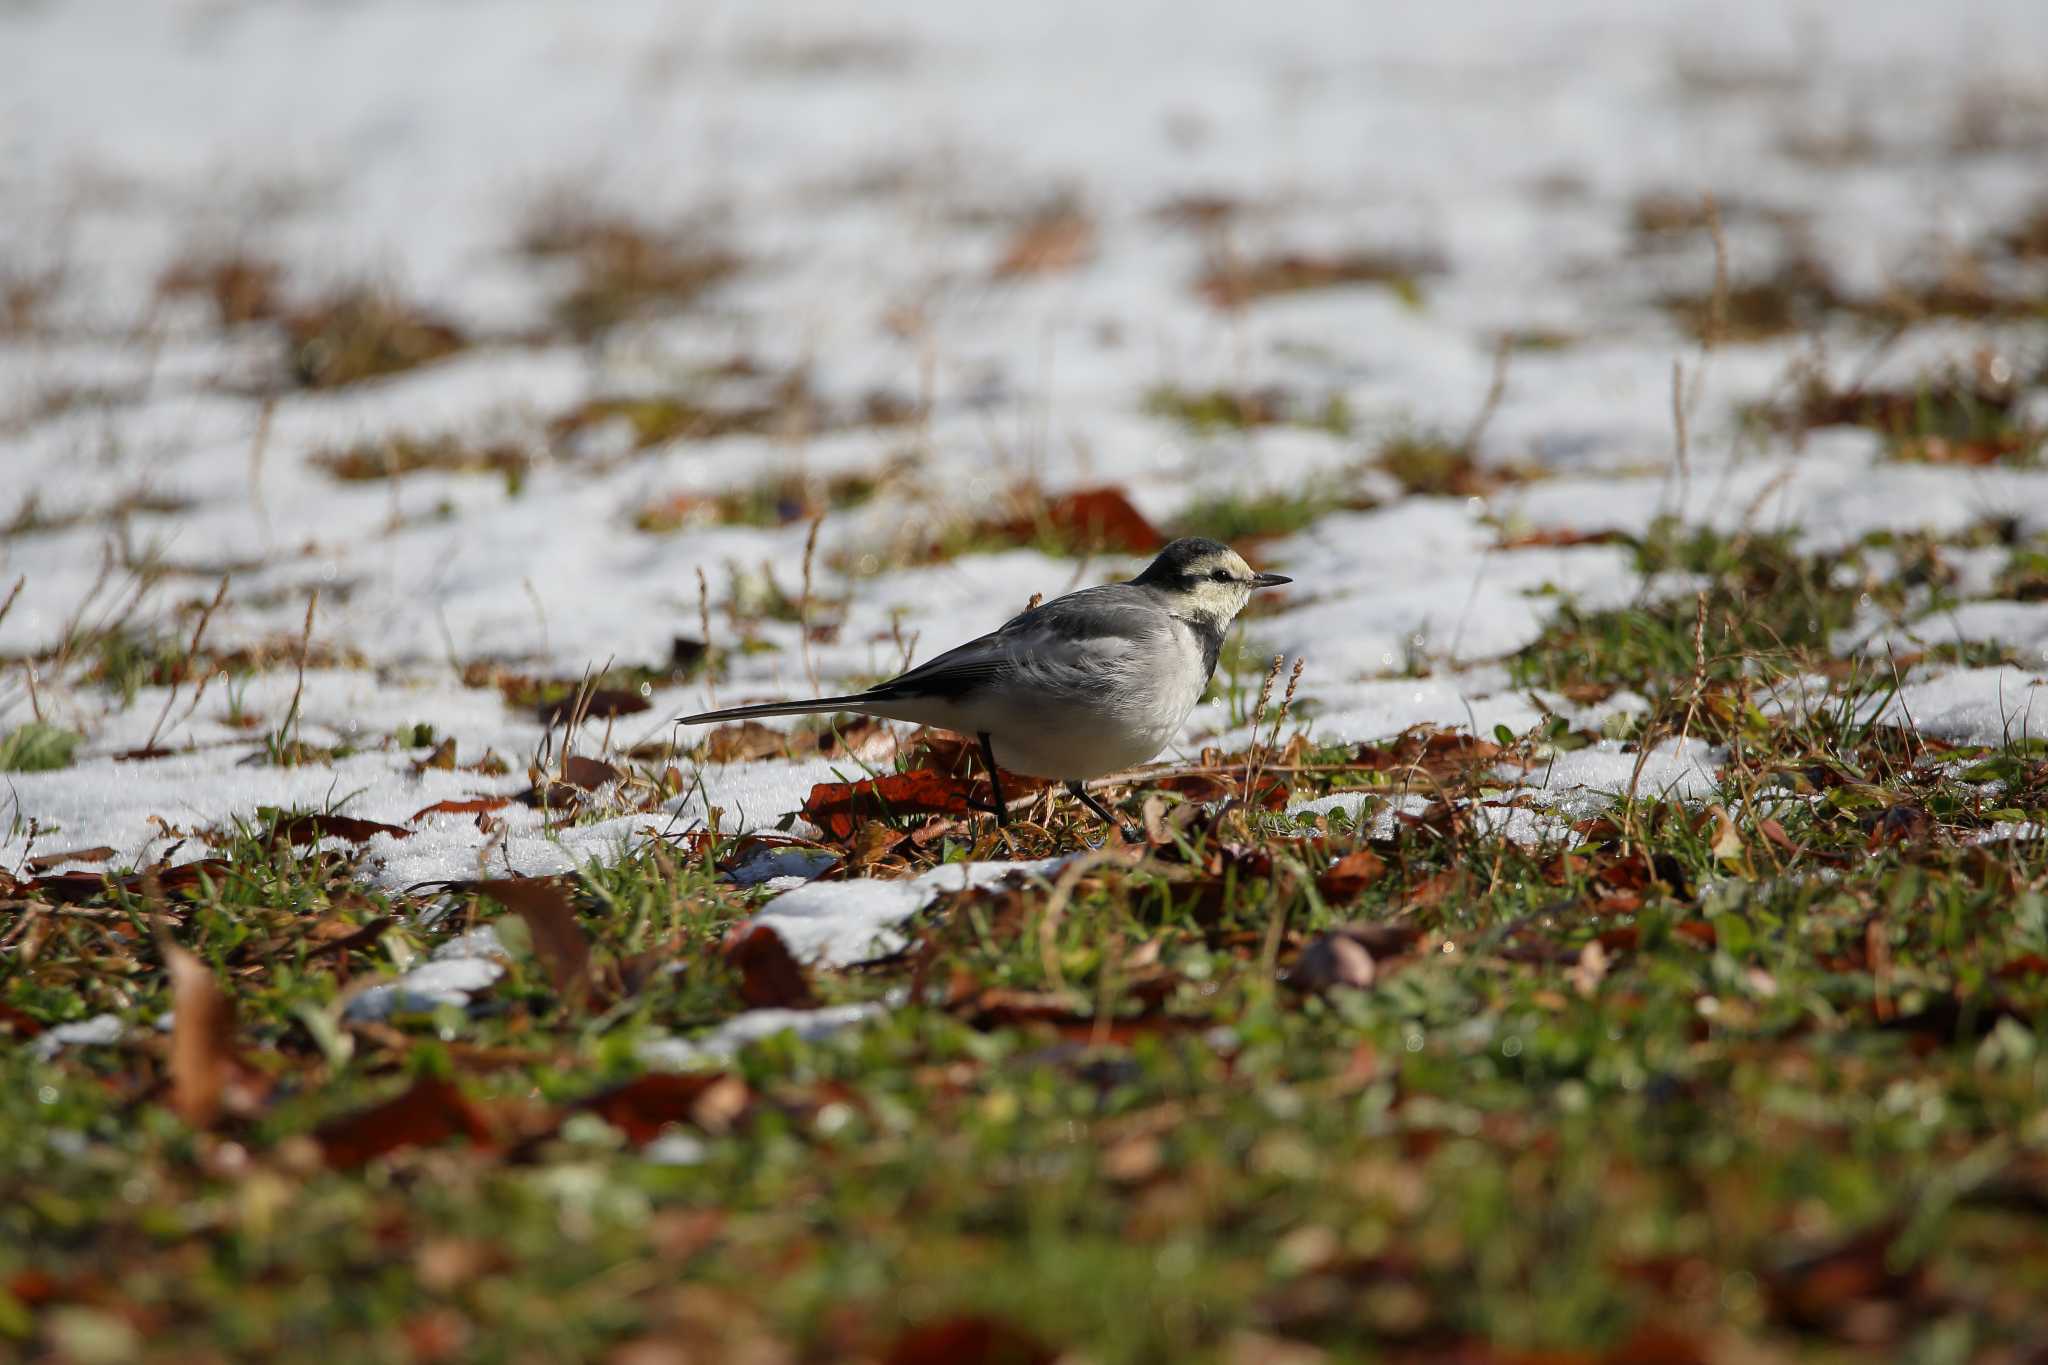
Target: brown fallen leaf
[[73, 887], [207, 1074], [770, 976], [431, 1112], [311, 829], [558, 939], [600, 704], [1057, 240], [347, 940], [1559, 537], [1105, 517], [475, 805], [587, 773], [43, 862], [711, 1100], [968, 1340], [838, 807], [1344, 879]]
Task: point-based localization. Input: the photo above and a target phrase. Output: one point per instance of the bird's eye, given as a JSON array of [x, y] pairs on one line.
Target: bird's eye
[[1220, 575]]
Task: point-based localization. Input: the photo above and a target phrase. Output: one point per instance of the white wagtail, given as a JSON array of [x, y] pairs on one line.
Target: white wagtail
[[1083, 685]]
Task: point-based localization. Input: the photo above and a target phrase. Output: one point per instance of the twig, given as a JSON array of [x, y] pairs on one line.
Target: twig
[[1716, 329], [704, 624], [803, 604], [1699, 667], [291, 716], [540, 610], [1251, 770], [1681, 444], [1481, 420], [192, 652], [13, 593], [257, 449]]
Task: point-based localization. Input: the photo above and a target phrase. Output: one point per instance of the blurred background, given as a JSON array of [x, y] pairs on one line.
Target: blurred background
[[423, 302]]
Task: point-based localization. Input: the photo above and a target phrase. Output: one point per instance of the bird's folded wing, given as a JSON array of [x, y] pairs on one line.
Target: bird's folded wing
[[1065, 642], [952, 675]]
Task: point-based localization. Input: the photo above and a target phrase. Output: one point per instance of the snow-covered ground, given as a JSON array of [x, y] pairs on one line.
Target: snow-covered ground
[[869, 167]]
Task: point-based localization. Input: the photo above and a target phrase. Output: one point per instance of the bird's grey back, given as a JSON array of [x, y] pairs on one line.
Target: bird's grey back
[[1087, 640]]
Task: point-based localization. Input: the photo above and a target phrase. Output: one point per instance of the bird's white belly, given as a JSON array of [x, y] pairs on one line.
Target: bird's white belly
[[1083, 736]]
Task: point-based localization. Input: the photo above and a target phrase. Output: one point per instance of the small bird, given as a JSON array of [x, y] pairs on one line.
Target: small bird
[[1083, 685]]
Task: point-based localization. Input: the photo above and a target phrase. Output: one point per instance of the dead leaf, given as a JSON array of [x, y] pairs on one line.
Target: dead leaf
[[588, 774], [431, 1112], [73, 887], [1438, 754], [968, 1340], [43, 862], [558, 939], [475, 805], [311, 829], [348, 939], [1559, 537], [1105, 517], [711, 1100], [1058, 240], [1349, 875], [837, 807], [770, 977], [601, 704], [206, 1073]]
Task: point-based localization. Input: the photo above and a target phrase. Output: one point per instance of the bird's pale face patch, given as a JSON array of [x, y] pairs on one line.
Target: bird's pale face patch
[[1215, 587]]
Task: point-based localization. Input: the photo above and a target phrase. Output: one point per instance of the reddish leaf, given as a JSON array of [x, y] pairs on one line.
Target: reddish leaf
[[641, 1108], [1104, 516], [2027, 964], [587, 773], [475, 805], [1350, 875], [969, 1340], [73, 887], [349, 940], [18, 1025], [770, 978], [43, 862], [310, 829], [431, 1112], [558, 940], [602, 704], [837, 807]]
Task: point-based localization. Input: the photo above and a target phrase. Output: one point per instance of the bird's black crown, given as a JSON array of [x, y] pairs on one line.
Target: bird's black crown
[[1176, 565]]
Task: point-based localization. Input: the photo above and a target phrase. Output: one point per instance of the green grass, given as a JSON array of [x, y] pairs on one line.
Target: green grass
[[1762, 1068], [36, 747]]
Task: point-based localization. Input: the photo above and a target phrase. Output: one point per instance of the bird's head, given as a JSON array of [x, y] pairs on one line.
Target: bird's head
[[1205, 579]]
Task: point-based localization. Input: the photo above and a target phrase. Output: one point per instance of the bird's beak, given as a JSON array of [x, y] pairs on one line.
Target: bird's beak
[[1269, 580]]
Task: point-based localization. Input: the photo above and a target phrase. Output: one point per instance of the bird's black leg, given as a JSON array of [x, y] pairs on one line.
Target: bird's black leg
[[1102, 812], [995, 779]]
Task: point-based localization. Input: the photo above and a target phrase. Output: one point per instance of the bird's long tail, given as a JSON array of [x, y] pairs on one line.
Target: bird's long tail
[[816, 706]]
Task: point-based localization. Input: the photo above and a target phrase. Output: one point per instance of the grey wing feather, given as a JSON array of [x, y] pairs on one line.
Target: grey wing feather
[[1069, 634]]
